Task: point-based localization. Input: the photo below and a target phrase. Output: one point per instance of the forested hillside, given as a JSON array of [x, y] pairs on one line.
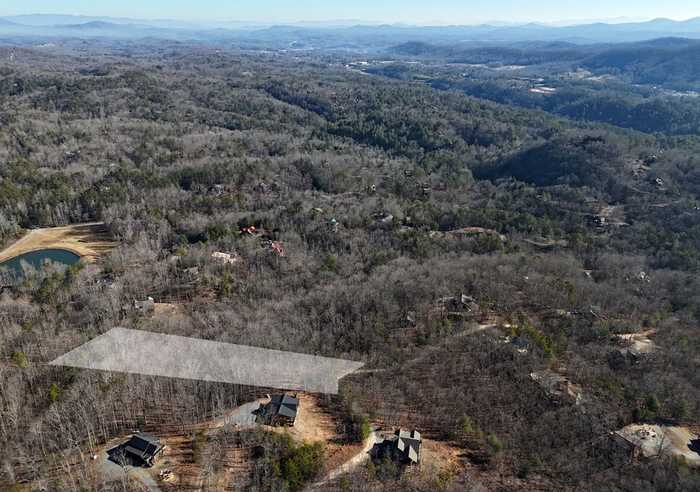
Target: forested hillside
[[669, 61], [650, 87], [374, 199]]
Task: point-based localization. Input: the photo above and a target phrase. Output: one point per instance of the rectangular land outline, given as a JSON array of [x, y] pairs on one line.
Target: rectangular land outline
[[156, 354]]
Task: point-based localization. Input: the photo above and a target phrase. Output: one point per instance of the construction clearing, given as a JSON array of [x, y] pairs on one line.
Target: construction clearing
[[89, 241], [652, 441], [637, 344]]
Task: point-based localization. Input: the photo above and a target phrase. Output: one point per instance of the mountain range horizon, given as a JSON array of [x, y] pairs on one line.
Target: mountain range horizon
[[47, 19], [344, 35]]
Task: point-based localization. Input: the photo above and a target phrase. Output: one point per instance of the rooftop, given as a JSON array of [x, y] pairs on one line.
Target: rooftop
[[143, 445], [407, 443], [284, 405]]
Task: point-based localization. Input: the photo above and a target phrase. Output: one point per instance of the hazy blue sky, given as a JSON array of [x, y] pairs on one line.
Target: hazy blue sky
[[414, 11]]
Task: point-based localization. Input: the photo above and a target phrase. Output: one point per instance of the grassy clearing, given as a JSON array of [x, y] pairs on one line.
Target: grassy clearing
[[90, 241]]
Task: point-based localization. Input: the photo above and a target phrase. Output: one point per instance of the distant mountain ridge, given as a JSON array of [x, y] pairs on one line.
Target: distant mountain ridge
[[657, 61], [336, 34], [90, 25]]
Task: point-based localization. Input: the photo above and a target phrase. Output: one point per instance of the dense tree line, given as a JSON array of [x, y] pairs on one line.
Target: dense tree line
[[366, 182]]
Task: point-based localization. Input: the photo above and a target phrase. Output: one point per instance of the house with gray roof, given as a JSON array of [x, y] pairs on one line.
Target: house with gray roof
[[281, 410]]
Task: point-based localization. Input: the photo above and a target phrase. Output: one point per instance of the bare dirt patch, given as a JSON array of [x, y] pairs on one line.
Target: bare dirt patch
[[168, 310], [638, 343], [316, 424], [90, 241], [313, 424], [441, 456], [178, 459], [656, 440]]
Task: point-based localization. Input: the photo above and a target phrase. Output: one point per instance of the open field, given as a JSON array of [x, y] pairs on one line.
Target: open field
[[89, 240]]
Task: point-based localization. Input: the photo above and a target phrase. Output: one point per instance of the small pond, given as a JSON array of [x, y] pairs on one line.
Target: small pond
[[37, 259]]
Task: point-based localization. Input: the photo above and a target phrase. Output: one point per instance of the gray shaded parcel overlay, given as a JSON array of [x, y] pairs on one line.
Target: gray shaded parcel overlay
[[156, 354]]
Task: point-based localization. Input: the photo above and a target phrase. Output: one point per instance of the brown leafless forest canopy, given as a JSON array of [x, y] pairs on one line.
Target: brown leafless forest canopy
[[374, 201]]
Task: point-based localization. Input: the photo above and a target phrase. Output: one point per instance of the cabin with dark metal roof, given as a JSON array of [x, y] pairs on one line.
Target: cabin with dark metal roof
[[143, 449], [281, 410], [403, 447]]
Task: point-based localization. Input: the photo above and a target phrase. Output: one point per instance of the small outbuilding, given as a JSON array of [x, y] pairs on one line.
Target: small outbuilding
[[281, 410]]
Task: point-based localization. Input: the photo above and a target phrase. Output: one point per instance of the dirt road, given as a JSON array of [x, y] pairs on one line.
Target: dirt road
[[241, 418], [359, 459]]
